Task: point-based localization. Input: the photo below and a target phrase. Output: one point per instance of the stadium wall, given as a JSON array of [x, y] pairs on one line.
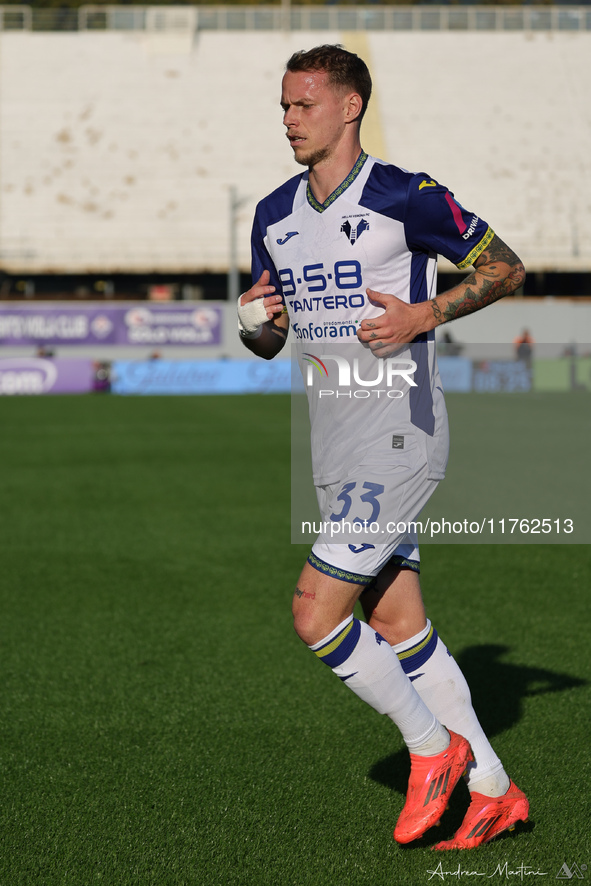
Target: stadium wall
[[118, 149]]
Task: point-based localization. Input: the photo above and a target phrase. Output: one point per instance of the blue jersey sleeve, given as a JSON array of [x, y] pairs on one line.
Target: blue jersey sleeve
[[276, 206], [435, 222], [260, 258]]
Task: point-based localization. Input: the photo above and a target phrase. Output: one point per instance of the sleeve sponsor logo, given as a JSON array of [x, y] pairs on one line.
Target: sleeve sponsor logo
[[471, 229], [456, 210]]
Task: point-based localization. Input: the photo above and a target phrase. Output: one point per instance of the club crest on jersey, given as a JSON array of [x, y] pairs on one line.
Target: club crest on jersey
[[354, 232]]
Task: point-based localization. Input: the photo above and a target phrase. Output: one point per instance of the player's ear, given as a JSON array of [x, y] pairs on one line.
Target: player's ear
[[354, 106]]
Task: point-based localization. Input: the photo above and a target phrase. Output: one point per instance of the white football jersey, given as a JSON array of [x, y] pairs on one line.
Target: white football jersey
[[382, 229]]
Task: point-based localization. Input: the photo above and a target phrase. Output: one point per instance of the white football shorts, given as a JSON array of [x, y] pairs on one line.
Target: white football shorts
[[369, 519]]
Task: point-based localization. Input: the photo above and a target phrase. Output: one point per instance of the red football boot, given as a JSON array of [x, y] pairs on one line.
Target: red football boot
[[487, 817], [430, 785]]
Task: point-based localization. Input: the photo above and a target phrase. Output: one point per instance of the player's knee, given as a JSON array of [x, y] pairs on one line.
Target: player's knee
[[313, 624], [399, 629], [310, 622], [305, 623], [384, 629]]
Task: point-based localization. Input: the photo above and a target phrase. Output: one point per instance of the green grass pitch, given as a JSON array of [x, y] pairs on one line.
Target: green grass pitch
[[160, 722]]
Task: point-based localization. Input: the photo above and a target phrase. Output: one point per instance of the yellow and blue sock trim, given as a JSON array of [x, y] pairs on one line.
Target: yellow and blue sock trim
[[415, 657], [336, 651]]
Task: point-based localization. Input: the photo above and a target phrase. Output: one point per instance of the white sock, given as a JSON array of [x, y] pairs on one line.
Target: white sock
[[439, 681], [368, 665]]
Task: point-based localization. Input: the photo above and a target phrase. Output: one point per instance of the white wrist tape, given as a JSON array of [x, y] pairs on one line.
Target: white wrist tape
[[251, 317]]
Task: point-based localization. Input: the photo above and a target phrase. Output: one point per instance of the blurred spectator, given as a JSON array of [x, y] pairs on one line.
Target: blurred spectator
[[524, 346], [102, 376], [448, 347], [45, 352]]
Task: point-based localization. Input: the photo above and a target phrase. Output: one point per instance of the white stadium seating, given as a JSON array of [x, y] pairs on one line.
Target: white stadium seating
[[118, 149]]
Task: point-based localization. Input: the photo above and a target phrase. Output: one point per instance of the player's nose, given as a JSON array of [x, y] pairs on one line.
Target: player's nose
[[289, 118]]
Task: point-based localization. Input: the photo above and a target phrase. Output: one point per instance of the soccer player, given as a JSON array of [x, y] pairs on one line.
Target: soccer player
[[346, 252]]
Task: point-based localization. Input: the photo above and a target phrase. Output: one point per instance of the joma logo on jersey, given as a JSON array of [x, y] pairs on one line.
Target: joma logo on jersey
[[354, 232], [388, 371], [288, 236]]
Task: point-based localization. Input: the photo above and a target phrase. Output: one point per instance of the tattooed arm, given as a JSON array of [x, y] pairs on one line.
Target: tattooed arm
[[497, 272]]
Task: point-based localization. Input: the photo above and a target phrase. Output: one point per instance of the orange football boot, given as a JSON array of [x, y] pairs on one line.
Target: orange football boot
[[487, 817], [430, 785]]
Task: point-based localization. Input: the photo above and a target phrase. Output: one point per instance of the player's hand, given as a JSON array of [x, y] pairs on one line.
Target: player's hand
[[257, 306], [273, 304], [399, 324]]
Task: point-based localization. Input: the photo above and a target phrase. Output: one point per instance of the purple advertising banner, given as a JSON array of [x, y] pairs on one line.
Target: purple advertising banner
[[141, 324], [169, 325], [36, 375]]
